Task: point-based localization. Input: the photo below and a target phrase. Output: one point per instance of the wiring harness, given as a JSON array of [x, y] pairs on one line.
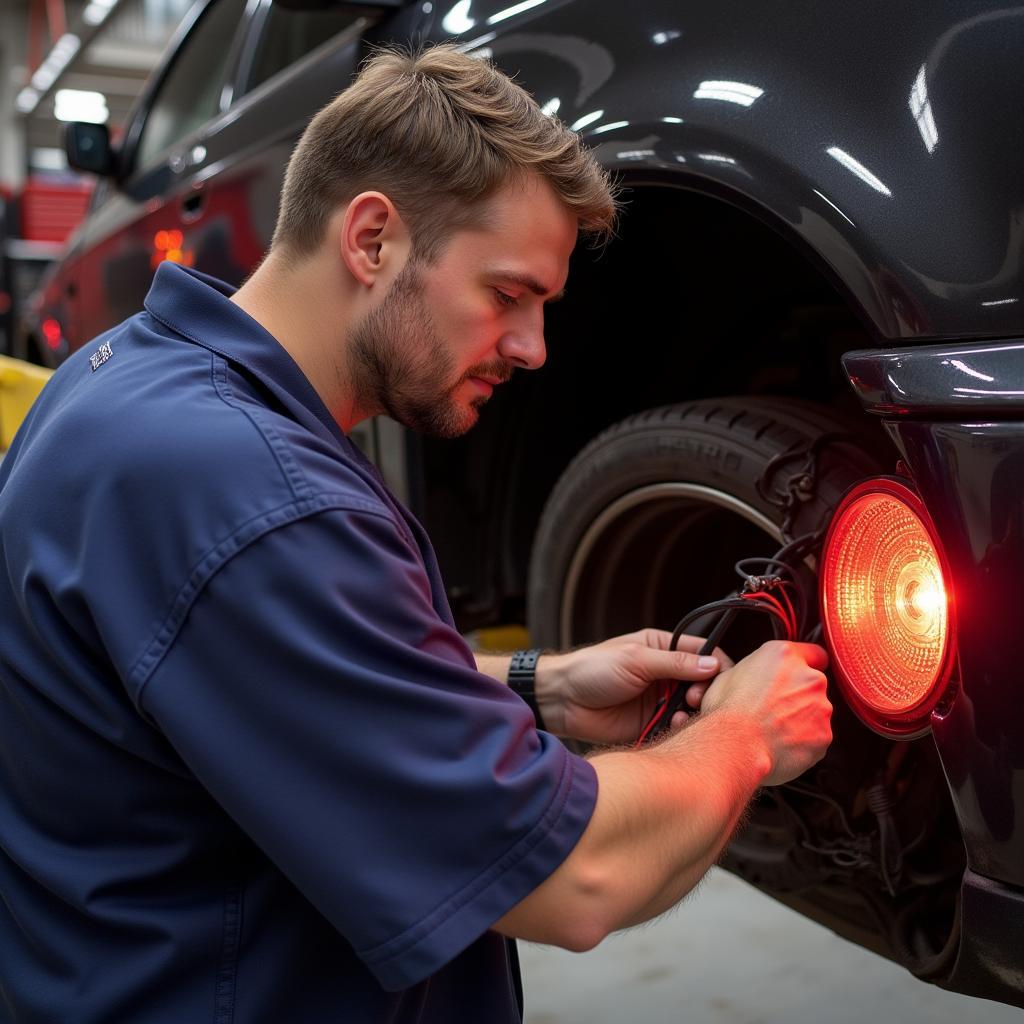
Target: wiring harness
[[771, 586]]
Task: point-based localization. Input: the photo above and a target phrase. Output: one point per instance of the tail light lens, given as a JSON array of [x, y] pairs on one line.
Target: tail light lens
[[52, 333], [886, 607]]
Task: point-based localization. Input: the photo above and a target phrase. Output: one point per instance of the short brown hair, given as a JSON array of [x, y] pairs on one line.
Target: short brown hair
[[438, 132]]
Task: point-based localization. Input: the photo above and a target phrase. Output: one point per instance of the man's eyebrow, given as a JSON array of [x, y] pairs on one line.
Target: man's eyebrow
[[526, 281]]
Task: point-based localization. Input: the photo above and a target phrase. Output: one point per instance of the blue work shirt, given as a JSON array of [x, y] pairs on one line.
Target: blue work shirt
[[248, 769]]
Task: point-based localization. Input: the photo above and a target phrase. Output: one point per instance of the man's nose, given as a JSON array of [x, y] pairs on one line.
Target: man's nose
[[524, 346]]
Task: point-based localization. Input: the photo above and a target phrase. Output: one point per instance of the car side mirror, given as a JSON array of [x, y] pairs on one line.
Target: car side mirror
[[88, 148]]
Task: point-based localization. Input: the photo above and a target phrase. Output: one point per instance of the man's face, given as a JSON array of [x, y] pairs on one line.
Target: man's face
[[448, 332]]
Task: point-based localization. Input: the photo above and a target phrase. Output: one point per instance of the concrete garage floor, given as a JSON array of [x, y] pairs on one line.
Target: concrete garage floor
[[730, 955]]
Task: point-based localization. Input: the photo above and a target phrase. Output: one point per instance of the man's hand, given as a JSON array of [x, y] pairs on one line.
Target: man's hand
[[664, 813], [606, 693], [781, 688]]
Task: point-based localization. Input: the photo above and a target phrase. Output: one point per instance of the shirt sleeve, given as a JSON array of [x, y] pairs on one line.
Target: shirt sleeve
[[316, 693]]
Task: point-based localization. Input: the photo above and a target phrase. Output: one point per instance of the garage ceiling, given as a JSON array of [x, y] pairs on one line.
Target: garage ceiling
[[115, 59]]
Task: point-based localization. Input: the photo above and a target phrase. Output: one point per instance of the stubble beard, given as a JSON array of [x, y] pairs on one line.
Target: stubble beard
[[397, 362]]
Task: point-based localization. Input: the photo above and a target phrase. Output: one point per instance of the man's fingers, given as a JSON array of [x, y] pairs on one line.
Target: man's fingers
[[724, 660], [690, 644], [695, 694], [677, 665], [815, 656]]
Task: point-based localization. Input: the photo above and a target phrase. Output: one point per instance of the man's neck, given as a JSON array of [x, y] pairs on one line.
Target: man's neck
[[298, 304]]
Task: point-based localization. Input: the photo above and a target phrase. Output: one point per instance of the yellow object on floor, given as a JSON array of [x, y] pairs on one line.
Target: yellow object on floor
[[499, 639], [20, 384]]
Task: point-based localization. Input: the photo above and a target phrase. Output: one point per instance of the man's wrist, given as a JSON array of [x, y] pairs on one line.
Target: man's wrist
[[522, 680], [548, 679], [535, 676], [734, 731]]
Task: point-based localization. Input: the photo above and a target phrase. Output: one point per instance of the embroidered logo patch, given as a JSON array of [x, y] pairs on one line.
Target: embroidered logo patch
[[101, 355]]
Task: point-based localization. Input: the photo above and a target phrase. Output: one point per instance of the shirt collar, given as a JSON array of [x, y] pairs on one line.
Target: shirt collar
[[198, 307]]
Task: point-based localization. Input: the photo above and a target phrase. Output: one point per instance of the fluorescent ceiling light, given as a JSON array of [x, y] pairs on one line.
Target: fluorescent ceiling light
[[79, 105], [97, 11], [27, 100], [56, 61]]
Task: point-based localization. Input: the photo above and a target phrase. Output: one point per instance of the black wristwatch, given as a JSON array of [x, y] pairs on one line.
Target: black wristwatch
[[522, 679]]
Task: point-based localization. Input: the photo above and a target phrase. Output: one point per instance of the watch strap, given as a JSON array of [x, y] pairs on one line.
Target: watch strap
[[522, 676]]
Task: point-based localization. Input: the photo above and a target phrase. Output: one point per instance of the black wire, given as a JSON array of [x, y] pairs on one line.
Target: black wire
[[765, 562], [728, 608], [737, 603], [800, 547], [795, 550]]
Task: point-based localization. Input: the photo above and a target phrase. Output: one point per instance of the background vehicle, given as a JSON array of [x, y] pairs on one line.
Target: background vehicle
[[807, 192]]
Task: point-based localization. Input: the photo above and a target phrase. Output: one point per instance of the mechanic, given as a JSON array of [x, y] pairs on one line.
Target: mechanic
[[249, 770]]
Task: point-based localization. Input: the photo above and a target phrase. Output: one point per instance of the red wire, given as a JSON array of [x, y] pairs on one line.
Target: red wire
[[782, 608], [659, 711], [784, 591], [777, 608]]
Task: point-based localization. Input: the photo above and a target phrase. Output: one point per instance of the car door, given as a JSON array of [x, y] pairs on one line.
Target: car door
[[110, 265], [203, 159], [220, 216]]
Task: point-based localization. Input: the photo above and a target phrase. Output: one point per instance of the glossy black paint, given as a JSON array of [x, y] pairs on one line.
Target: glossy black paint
[[884, 138], [943, 380], [970, 477], [988, 960], [956, 414]]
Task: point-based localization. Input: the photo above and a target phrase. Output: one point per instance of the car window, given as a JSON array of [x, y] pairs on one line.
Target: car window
[[190, 93], [290, 34]]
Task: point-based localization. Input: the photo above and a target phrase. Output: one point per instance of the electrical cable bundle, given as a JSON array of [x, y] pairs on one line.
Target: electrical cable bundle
[[772, 587]]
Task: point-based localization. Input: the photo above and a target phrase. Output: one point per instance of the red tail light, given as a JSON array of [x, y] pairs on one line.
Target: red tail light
[[52, 333], [886, 607]]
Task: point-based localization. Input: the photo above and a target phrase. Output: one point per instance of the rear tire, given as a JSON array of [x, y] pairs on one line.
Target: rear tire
[[647, 521]]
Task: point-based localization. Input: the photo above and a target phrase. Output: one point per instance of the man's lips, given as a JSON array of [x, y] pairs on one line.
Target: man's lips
[[487, 382]]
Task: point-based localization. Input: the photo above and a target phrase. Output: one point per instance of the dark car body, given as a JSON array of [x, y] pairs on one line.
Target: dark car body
[[815, 195]]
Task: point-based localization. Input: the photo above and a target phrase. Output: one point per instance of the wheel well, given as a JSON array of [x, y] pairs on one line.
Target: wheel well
[[694, 298]]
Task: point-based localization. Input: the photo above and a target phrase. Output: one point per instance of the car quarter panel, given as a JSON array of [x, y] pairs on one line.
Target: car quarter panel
[[885, 142], [956, 413]]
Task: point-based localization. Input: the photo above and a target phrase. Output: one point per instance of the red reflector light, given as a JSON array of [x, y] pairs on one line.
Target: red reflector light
[[886, 608], [51, 332]]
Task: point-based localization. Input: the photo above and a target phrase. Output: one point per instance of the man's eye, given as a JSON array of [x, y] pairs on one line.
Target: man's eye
[[504, 299]]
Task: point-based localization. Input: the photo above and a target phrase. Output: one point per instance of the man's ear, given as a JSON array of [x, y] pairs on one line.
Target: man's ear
[[373, 237]]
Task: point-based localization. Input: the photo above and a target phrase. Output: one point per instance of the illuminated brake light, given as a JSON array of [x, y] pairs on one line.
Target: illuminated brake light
[[52, 333], [886, 608], [169, 246]]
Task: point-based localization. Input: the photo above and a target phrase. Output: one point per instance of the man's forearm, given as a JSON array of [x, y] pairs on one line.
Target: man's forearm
[[663, 817], [707, 776]]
